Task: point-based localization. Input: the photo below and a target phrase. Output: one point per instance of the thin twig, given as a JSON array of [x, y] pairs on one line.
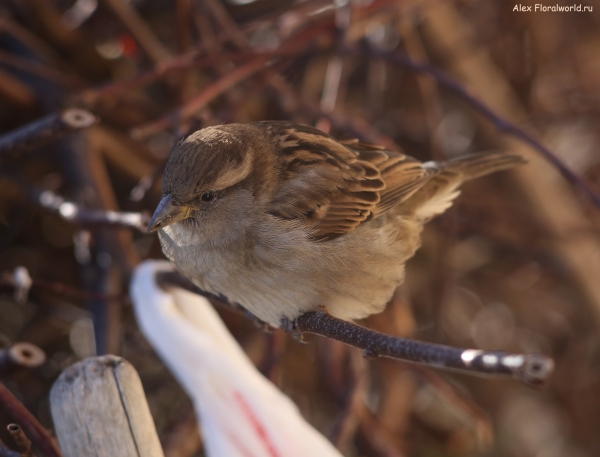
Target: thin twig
[[460, 401], [377, 436], [258, 62], [340, 120], [40, 47], [227, 23], [430, 94], [183, 437], [16, 93], [38, 433], [201, 57], [347, 425], [140, 30], [501, 123], [203, 98], [90, 218], [6, 279], [184, 12], [45, 130], [23, 443], [40, 70], [147, 182]]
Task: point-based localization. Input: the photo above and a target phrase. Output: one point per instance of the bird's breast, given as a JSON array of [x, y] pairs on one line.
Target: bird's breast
[[277, 271]]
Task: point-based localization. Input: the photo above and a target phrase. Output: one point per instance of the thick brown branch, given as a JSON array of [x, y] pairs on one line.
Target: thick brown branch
[[45, 130], [531, 369]]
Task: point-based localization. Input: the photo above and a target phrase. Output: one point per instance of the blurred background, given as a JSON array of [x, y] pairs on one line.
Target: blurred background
[[514, 265]]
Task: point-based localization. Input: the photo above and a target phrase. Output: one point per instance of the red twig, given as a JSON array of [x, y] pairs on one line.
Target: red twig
[[140, 30], [202, 99], [198, 59], [38, 433]]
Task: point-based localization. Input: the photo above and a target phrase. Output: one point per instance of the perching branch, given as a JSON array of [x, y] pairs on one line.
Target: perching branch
[[45, 130], [531, 369]]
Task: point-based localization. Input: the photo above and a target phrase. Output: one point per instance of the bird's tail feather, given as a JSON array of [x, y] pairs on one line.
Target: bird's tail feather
[[437, 195], [476, 165]]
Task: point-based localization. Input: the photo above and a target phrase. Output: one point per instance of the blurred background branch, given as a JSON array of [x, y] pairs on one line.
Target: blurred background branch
[[512, 267]]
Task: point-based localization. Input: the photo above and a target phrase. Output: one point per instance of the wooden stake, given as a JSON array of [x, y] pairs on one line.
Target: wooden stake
[[99, 409]]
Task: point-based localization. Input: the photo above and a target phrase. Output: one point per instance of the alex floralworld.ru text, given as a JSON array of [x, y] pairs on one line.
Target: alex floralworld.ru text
[[553, 8]]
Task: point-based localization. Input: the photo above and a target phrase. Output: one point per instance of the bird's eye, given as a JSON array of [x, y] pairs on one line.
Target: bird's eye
[[208, 196]]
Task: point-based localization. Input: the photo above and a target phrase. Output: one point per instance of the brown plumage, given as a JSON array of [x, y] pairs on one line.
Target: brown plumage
[[283, 218]]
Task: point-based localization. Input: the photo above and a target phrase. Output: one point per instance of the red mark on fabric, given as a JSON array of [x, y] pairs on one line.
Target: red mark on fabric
[[258, 426]]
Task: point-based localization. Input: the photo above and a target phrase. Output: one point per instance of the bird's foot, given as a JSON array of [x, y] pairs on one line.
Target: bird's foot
[[289, 325], [370, 354], [322, 310]]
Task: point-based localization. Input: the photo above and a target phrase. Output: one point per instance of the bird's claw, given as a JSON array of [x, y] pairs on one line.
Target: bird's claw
[[288, 325], [322, 310], [370, 354]]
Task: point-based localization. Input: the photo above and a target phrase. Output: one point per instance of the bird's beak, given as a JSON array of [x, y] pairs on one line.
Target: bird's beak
[[167, 213]]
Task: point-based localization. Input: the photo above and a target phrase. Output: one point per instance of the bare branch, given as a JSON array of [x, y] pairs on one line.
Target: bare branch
[[531, 369], [7, 279], [501, 123], [140, 30], [38, 433], [86, 217], [23, 443], [45, 130]]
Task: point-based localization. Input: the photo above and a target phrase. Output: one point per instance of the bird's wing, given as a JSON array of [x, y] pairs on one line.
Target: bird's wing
[[335, 186], [403, 175]]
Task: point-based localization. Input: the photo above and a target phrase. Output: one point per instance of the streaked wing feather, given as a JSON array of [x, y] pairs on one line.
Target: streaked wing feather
[[402, 174], [335, 186]]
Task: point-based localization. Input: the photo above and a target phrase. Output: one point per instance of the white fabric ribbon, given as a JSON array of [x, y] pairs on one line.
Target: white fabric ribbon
[[241, 413]]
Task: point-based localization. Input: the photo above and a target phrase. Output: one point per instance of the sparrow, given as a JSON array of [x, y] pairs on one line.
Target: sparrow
[[283, 219]]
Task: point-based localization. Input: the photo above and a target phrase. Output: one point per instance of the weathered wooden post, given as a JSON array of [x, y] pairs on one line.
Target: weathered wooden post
[[100, 410]]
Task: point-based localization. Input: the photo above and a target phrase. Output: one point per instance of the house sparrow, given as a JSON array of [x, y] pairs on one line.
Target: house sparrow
[[282, 218]]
